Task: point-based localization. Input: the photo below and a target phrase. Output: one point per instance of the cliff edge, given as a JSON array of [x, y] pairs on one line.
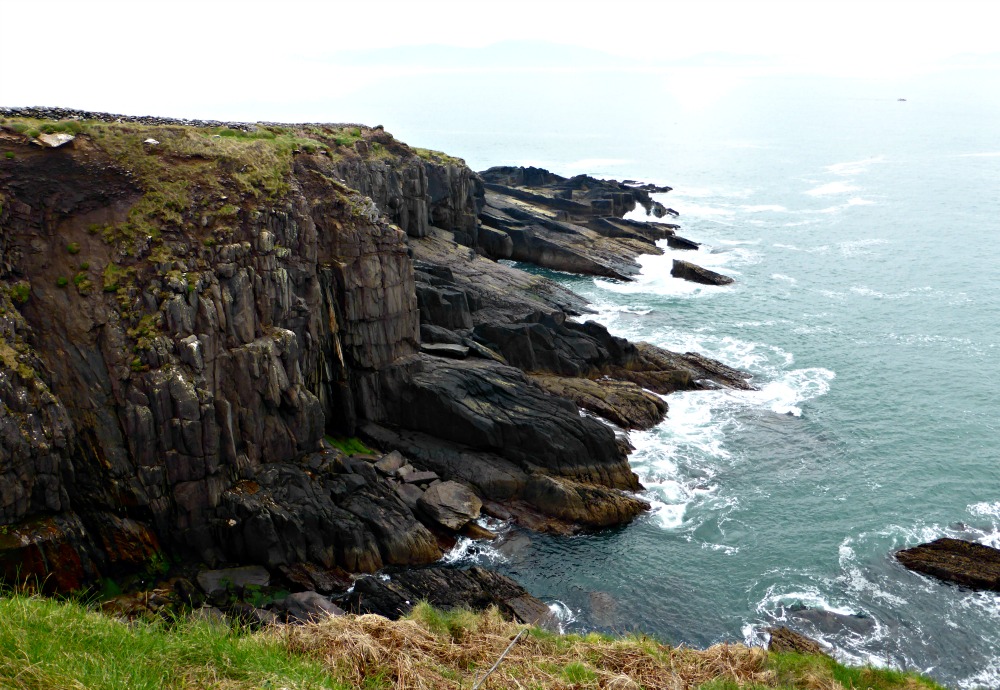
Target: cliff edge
[[191, 311]]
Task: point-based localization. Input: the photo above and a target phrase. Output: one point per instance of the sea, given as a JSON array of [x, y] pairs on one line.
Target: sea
[[860, 219]]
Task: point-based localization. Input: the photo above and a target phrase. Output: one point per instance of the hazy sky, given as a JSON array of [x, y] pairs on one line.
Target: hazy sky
[[202, 58]]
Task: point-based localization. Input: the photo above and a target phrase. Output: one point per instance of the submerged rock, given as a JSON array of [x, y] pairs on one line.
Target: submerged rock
[[954, 560]]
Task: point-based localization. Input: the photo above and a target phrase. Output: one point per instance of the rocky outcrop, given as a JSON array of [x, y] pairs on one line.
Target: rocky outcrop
[[953, 560], [475, 588], [783, 640], [188, 309], [697, 274]]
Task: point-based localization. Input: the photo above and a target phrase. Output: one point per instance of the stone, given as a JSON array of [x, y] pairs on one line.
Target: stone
[[697, 274], [215, 581], [450, 504], [55, 139], [961, 562], [420, 477], [390, 462], [306, 607], [410, 495]]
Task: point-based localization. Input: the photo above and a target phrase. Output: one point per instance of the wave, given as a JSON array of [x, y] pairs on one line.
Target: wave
[[831, 188], [854, 167]]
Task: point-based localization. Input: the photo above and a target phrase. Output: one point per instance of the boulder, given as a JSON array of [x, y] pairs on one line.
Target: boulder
[[218, 581], [56, 139], [697, 274], [390, 462], [450, 504], [954, 560], [306, 607]]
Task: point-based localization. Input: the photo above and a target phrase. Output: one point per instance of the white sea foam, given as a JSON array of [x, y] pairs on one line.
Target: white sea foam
[[831, 188], [820, 249], [859, 247], [865, 291], [854, 167], [762, 208], [563, 614], [787, 279]]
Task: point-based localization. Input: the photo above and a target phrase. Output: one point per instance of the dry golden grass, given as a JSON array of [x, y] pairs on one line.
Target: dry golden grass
[[435, 650]]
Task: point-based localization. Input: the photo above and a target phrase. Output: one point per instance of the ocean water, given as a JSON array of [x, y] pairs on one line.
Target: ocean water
[[863, 235]]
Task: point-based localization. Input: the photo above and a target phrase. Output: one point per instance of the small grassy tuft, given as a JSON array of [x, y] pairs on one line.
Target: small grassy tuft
[[351, 446]]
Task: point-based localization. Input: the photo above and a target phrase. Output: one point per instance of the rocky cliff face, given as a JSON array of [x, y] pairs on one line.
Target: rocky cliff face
[[187, 311]]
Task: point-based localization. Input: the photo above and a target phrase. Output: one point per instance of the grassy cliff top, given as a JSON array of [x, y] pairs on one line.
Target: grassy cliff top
[[49, 644]]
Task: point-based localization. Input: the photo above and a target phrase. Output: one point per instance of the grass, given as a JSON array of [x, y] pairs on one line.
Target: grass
[[351, 445], [49, 644], [45, 644]]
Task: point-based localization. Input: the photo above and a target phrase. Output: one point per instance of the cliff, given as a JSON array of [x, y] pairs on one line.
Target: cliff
[[190, 310]]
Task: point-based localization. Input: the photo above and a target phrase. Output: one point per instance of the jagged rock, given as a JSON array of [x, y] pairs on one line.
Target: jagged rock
[[965, 563], [782, 639], [677, 242], [213, 582], [450, 504], [390, 462], [306, 607], [311, 577], [476, 588], [697, 274]]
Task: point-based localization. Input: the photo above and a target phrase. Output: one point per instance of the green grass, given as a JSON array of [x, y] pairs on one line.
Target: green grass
[[50, 645], [20, 291], [351, 446]]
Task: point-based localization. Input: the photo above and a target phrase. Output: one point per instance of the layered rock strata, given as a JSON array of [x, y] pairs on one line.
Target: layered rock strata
[[188, 310]]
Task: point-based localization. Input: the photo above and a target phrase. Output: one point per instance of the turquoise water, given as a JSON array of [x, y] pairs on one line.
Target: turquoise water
[[862, 232]]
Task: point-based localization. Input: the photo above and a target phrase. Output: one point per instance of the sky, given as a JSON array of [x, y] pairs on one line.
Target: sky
[[253, 59]]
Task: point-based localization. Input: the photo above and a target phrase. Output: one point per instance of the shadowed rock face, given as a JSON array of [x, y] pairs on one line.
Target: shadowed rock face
[[182, 322], [953, 560]]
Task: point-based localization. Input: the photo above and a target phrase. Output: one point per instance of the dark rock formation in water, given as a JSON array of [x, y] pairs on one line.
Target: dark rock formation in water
[[954, 560], [188, 311], [698, 274]]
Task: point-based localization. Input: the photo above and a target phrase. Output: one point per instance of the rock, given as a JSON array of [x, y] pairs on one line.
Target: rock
[[450, 504], [410, 495], [954, 560], [677, 242], [697, 274], [445, 350], [390, 462], [56, 139], [309, 576], [306, 607], [420, 477], [209, 613], [151, 142], [475, 588], [620, 402], [782, 640], [215, 581], [251, 616]]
